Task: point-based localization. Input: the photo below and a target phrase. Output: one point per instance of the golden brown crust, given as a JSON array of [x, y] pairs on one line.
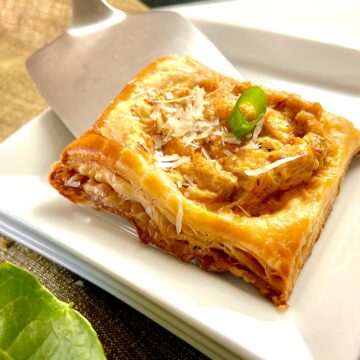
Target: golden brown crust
[[261, 228]]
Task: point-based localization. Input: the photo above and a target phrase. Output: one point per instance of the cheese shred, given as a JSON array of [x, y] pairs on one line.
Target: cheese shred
[[268, 167], [179, 217]]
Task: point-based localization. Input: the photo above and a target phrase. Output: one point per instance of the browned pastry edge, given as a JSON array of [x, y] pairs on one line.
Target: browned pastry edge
[[210, 260], [283, 257]]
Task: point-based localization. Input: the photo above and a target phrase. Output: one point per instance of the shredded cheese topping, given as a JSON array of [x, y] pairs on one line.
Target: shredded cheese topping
[[129, 117], [169, 161], [257, 130], [243, 210], [179, 217], [184, 123], [189, 181], [268, 167], [205, 153], [229, 153]]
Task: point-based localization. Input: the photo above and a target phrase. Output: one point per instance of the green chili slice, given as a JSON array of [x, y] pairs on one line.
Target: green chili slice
[[255, 97]]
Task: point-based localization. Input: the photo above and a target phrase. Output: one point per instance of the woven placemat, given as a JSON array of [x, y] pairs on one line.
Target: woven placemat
[[26, 26], [124, 332]]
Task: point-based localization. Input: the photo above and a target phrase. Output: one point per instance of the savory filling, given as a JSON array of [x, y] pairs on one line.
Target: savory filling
[[209, 255], [188, 124]]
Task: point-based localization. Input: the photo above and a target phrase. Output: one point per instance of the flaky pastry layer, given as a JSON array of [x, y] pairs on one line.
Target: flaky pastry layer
[[162, 156]]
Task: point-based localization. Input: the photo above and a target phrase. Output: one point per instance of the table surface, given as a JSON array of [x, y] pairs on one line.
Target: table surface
[[27, 26], [125, 333]]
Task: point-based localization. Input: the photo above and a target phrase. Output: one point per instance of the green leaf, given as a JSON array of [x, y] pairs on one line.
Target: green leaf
[[254, 97], [34, 325]]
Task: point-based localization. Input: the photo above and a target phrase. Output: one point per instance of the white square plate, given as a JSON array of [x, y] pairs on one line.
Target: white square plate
[[219, 314]]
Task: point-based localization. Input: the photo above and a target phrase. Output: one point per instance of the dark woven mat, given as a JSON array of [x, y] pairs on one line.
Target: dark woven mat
[[124, 332]]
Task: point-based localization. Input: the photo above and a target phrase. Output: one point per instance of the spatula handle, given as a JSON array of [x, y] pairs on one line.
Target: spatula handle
[[90, 12]]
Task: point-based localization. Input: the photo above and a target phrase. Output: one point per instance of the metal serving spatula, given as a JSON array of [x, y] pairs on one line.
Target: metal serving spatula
[[83, 70]]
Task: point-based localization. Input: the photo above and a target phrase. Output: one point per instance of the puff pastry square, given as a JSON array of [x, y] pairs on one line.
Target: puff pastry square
[[163, 157]]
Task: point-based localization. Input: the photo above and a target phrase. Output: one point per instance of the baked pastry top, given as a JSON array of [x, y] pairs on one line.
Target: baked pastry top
[[162, 155]]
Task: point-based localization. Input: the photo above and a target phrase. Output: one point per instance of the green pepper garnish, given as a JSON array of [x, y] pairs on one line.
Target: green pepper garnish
[[256, 99]]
